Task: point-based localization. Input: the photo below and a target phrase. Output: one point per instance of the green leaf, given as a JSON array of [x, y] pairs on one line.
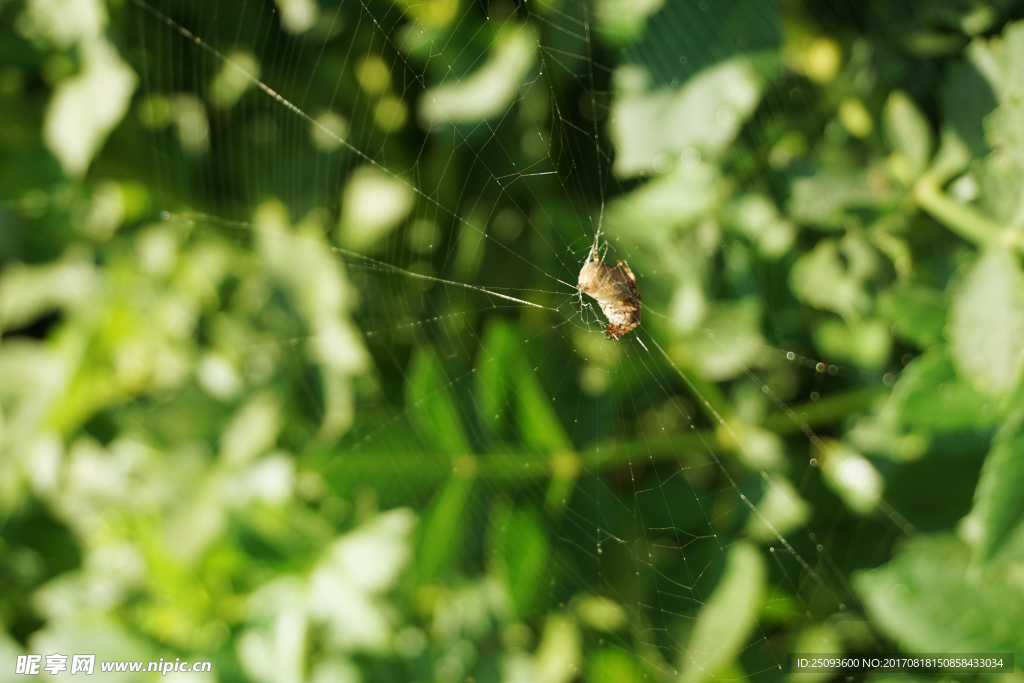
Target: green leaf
[[489, 90], [445, 523], [663, 203], [930, 397], [819, 639], [614, 666], [520, 547], [926, 600], [757, 217], [372, 205], [623, 21], [503, 371], [558, 655], [986, 320], [832, 276], [967, 99], [915, 312], [907, 131], [953, 157], [539, 426], [431, 408], [704, 114], [852, 477], [998, 512], [739, 324], [822, 200], [600, 613], [727, 618], [783, 508], [866, 343], [104, 77], [1001, 62], [493, 379]]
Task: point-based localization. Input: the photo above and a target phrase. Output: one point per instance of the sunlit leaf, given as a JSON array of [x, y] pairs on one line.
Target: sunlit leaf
[[705, 114], [87, 106], [614, 666], [853, 478], [998, 511], [822, 200], [866, 343], [819, 639], [372, 205], [487, 91], [833, 275], [558, 655], [929, 396], [908, 131], [600, 613], [986, 319], [781, 507], [727, 618], [926, 600]]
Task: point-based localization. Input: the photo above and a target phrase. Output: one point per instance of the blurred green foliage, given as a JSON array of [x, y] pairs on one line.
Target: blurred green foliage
[[257, 407]]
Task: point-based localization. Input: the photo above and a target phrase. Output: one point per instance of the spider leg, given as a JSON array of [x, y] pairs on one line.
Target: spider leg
[[627, 270]]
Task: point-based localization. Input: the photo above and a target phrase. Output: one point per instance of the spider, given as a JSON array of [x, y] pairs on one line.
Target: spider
[[615, 290]]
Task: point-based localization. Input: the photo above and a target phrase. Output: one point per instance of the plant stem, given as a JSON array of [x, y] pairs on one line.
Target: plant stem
[[961, 219], [420, 470]]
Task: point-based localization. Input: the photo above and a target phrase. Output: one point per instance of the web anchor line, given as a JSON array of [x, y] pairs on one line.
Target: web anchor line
[[381, 265], [251, 78], [732, 482]]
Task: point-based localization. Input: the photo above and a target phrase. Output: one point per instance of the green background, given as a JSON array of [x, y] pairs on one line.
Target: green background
[[262, 401]]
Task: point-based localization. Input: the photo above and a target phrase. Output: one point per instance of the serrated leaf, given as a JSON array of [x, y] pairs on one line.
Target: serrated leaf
[[431, 407], [987, 323], [727, 618], [907, 131], [926, 600]]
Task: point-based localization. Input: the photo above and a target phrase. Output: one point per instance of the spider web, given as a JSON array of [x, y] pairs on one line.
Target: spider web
[[444, 170]]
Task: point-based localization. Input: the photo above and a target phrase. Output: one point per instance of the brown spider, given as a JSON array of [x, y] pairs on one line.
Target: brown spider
[[615, 291]]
